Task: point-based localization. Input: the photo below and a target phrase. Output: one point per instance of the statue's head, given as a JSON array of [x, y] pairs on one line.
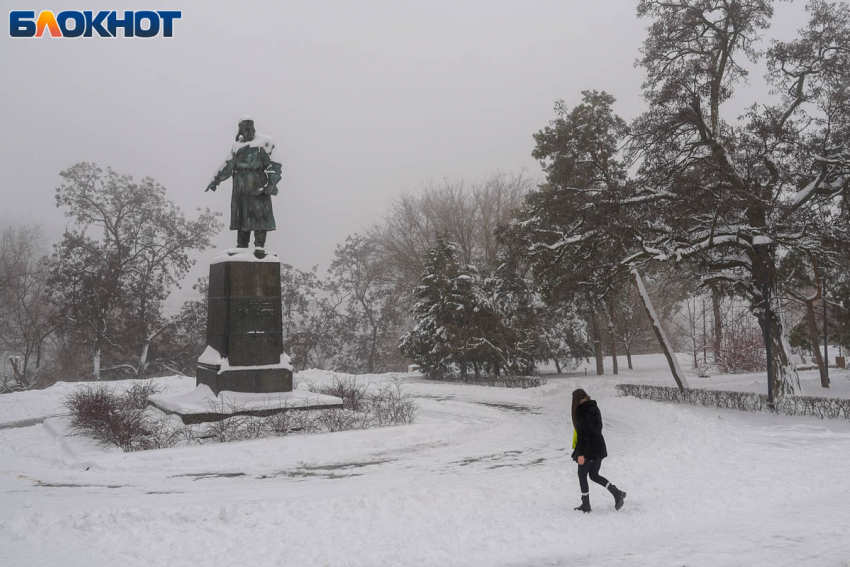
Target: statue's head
[[246, 129]]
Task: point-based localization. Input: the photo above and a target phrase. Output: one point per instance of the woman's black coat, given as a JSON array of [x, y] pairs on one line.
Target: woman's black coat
[[590, 442]]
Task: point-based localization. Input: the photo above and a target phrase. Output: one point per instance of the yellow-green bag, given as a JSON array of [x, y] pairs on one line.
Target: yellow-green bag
[[575, 438]]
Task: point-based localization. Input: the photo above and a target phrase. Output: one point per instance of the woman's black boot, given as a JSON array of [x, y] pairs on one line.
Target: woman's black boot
[[619, 496], [585, 504]]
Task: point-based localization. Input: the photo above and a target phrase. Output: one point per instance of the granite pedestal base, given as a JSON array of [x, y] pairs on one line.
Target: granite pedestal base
[[244, 328], [248, 379]]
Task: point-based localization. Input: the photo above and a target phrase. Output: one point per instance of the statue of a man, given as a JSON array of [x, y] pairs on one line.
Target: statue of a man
[[255, 168]]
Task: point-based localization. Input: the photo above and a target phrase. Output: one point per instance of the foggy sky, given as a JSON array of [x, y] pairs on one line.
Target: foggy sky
[[367, 99]]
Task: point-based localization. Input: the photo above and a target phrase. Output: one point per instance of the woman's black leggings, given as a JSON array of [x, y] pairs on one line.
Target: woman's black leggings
[[590, 468]]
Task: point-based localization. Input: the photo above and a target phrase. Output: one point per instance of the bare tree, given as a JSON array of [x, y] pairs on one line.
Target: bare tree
[[373, 308], [689, 325], [496, 199], [631, 325], [27, 318], [468, 213], [313, 318], [127, 245]]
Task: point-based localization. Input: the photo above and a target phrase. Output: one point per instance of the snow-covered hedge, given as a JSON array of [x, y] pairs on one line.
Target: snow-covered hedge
[[504, 381], [832, 408]]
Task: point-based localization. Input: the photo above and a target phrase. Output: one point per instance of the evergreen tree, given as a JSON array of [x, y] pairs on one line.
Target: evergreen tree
[[491, 325], [445, 313]]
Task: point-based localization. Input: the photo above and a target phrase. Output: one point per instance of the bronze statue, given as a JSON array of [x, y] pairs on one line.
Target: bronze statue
[[255, 168]]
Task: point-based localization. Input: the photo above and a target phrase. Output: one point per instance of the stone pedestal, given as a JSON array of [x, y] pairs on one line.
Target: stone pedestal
[[244, 329]]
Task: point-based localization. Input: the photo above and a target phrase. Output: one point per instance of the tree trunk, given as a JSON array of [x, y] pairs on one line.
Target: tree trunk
[[616, 369], [704, 335], [143, 358], [718, 322], [96, 363], [557, 365], [811, 323], [786, 381], [19, 376], [373, 350], [597, 343], [825, 339], [678, 375], [629, 358]]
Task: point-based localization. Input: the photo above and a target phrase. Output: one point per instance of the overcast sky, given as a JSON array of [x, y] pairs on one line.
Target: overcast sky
[[367, 99]]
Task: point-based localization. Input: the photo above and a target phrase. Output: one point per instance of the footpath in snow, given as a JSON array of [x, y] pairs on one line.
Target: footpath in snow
[[484, 477]]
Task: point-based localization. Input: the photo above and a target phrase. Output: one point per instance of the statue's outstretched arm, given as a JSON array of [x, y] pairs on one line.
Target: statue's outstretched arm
[[225, 170]]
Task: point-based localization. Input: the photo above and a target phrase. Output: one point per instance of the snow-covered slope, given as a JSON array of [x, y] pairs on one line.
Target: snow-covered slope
[[484, 477]]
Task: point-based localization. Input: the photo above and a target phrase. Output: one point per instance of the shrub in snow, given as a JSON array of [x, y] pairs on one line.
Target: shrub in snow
[[255, 428], [121, 419], [305, 421], [349, 391], [742, 347], [366, 405], [337, 419], [226, 430], [163, 430], [746, 401], [245, 427], [280, 424], [390, 405], [137, 396]]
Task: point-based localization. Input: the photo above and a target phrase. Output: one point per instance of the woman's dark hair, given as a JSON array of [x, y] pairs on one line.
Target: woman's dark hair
[[578, 396]]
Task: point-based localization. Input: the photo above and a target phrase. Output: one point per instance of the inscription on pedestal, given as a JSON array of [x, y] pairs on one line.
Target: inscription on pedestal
[[256, 307]]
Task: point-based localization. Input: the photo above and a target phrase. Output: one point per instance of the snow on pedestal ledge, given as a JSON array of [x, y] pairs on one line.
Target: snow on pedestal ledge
[[201, 404], [212, 358], [244, 255]]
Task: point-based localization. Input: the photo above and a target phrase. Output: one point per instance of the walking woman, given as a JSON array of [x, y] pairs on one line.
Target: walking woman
[[590, 449]]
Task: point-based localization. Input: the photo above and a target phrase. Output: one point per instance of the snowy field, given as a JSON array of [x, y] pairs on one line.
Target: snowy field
[[483, 478]]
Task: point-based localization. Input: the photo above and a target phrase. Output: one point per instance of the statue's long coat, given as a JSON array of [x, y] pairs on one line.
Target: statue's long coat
[[255, 176]]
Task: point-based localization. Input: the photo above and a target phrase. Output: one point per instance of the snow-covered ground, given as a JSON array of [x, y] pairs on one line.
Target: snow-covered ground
[[484, 478]]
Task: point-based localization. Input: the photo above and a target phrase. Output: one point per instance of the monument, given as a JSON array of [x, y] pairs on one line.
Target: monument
[[244, 330], [244, 369]]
